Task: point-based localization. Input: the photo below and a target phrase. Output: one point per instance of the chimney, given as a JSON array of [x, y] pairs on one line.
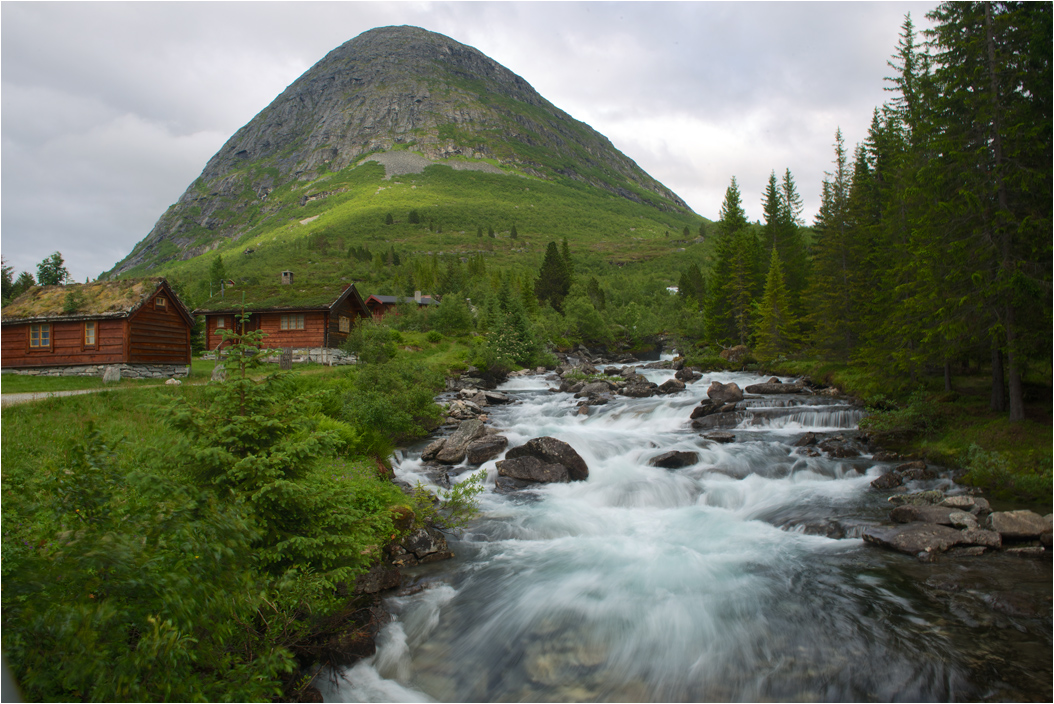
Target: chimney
[[287, 277], [417, 296]]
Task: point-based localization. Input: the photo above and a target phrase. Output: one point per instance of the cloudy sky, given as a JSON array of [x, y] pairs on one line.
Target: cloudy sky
[[110, 110]]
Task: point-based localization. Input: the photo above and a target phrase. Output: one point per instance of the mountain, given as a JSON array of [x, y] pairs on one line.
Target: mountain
[[405, 98]]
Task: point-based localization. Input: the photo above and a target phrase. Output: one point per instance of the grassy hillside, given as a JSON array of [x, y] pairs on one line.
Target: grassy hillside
[[310, 227]]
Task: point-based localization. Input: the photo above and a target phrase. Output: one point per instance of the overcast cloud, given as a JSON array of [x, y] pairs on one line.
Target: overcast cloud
[[110, 110]]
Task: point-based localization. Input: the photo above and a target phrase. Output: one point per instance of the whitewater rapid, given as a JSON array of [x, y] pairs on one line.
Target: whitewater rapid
[[715, 582]]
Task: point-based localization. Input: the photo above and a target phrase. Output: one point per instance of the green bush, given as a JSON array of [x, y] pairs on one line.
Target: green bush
[[434, 336], [372, 342], [919, 416], [992, 471], [392, 403]]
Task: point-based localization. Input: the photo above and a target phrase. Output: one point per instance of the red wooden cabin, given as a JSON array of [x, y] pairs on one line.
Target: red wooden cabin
[[129, 322], [296, 316], [381, 306]]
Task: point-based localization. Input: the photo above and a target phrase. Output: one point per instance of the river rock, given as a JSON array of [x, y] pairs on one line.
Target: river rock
[[1017, 525], [885, 456], [977, 536], [532, 469], [918, 498], [671, 386], [807, 439], [717, 420], [925, 514], [961, 502], [721, 436], [381, 576], [594, 388], [687, 374], [433, 449], [913, 538], [425, 543], [675, 459], [962, 519], [888, 480], [486, 448], [641, 388], [497, 398], [724, 393], [838, 447], [705, 408], [552, 451], [455, 447], [777, 388]]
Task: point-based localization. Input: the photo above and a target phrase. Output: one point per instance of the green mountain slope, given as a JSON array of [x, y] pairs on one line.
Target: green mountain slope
[[402, 119]]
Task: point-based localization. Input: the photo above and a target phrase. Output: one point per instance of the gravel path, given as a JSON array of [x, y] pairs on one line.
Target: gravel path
[[15, 399]]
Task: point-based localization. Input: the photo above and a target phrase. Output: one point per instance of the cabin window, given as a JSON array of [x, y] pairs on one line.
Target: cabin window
[[159, 302], [40, 336], [293, 321], [221, 322], [89, 334], [345, 323]]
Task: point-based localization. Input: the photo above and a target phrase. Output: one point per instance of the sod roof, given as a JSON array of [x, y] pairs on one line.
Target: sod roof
[[100, 299], [277, 297]]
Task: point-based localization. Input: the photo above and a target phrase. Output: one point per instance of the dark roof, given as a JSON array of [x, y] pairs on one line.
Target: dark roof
[[301, 296], [392, 300], [100, 299]]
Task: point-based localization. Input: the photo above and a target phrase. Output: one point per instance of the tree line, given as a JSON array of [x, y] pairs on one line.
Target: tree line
[[932, 243]]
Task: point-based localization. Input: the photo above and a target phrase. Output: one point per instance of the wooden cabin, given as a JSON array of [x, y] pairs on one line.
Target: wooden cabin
[[79, 329], [292, 315], [381, 306]]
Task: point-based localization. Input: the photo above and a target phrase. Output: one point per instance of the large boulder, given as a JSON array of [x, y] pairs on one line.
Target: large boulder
[[533, 469], [380, 577], [594, 388], [551, 451], [913, 538], [1017, 525], [725, 393], [675, 459], [486, 448], [456, 446]]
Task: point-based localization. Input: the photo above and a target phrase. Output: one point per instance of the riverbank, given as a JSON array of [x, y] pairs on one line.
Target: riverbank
[[1010, 461]]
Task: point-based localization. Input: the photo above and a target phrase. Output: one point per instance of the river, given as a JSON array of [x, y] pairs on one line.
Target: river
[[715, 582]]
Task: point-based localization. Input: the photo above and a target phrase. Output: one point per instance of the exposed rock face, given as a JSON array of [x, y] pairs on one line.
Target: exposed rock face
[[387, 87], [724, 393], [544, 459]]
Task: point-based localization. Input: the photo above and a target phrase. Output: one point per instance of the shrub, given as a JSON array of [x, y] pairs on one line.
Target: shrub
[[372, 342], [434, 336]]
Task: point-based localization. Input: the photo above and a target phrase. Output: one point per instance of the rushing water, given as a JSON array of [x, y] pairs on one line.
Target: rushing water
[[716, 582]]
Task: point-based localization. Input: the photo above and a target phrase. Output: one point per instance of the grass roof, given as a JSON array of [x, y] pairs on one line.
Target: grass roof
[[100, 299], [268, 297]]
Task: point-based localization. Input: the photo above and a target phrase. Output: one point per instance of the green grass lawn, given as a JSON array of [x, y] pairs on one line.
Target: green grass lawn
[[200, 372]]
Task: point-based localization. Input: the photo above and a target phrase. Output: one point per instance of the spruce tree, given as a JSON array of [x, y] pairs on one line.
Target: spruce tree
[[554, 281], [777, 327]]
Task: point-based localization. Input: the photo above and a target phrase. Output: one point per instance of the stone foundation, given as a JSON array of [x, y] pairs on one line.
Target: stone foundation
[[322, 355], [128, 371]]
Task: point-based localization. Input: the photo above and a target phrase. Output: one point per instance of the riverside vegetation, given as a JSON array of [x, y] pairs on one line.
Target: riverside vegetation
[[169, 567]]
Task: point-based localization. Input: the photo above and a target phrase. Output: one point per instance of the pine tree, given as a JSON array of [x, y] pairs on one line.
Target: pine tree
[[389, 220], [777, 327], [734, 274], [554, 281], [569, 264], [513, 234]]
